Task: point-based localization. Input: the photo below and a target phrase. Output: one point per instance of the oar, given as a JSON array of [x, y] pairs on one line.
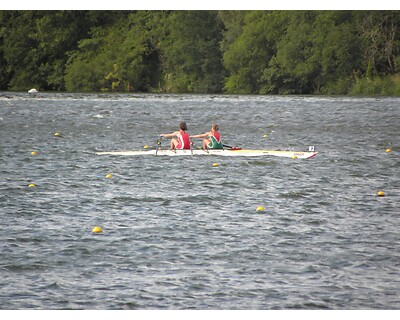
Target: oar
[[158, 144], [191, 147], [231, 147]]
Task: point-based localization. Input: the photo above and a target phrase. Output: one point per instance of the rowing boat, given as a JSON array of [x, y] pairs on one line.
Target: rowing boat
[[219, 152]]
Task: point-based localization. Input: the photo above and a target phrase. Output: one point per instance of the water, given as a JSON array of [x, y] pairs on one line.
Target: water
[[179, 233]]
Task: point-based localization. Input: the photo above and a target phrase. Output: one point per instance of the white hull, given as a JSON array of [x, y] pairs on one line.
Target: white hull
[[222, 152]]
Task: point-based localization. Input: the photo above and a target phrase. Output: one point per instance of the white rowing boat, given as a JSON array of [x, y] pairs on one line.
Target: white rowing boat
[[220, 152]]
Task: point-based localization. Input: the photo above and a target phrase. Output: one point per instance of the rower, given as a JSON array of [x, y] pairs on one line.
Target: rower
[[212, 139], [180, 139]]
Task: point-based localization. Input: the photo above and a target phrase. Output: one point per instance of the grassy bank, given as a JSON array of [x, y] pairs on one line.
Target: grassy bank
[[378, 86]]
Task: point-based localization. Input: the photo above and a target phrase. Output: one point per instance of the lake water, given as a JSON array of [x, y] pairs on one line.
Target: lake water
[[179, 233]]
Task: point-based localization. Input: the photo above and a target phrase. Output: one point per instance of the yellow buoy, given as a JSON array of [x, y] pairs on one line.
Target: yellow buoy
[[265, 136], [146, 146], [294, 157], [380, 194], [109, 176], [32, 185], [34, 153], [57, 134], [260, 208], [215, 164], [97, 229], [388, 150]]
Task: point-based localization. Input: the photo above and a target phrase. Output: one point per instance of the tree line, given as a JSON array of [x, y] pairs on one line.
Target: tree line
[[240, 52]]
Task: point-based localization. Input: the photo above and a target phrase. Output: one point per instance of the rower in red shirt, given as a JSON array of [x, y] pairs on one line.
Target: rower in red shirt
[[180, 139]]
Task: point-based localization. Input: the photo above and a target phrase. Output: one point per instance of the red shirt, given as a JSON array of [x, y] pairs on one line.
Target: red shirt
[[184, 140]]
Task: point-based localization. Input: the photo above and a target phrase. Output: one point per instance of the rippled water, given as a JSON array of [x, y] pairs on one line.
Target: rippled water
[[179, 233]]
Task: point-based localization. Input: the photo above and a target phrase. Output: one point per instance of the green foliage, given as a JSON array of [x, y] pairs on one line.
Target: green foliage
[[296, 64], [382, 86], [245, 52], [91, 66], [36, 46], [318, 49], [380, 41], [139, 56], [190, 53], [233, 22], [122, 57], [249, 54]]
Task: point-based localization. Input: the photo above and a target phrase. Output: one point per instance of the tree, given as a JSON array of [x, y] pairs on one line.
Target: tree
[[247, 57], [256, 52], [318, 53], [5, 72], [120, 57], [19, 49], [379, 32], [190, 53], [233, 22], [338, 45], [139, 55], [87, 66]]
